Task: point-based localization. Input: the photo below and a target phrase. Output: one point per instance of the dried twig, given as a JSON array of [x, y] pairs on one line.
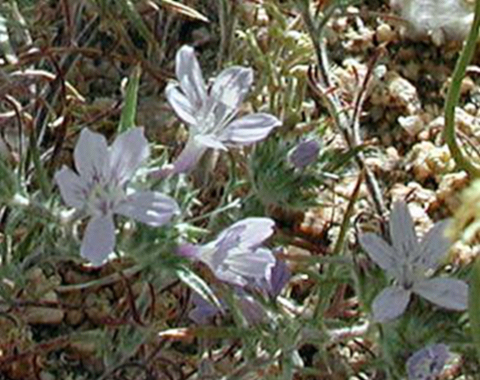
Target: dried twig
[[343, 120]]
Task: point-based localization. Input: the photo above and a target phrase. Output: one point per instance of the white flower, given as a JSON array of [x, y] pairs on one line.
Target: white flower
[[99, 188], [210, 114], [408, 262], [441, 19]]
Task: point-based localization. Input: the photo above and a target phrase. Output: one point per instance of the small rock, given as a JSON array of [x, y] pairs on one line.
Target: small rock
[[43, 316], [450, 188], [403, 93], [413, 124], [429, 161], [384, 33], [462, 254], [470, 108], [464, 121], [74, 317]]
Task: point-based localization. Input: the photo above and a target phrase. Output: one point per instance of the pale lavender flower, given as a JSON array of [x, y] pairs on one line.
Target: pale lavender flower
[[235, 256], [408, 262], [427, 363], [210, 113], [100, 190], [305, 153]]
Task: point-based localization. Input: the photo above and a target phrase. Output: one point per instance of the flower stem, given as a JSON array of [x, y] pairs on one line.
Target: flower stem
[[474, 306], [453, 96]]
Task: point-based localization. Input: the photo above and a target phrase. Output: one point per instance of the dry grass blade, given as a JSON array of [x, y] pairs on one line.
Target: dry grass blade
[[184, 10]]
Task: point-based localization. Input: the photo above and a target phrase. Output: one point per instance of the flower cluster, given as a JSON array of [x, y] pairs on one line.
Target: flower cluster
[[408, 262], [99, 187]]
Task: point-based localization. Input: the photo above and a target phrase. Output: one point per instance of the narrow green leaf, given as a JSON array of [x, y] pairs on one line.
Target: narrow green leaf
[[197, 284], [129, 110], [136, 19], [40, 170], [8, 185], [474, 305]]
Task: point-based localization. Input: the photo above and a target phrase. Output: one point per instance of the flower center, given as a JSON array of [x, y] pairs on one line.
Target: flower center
[[103, 198]]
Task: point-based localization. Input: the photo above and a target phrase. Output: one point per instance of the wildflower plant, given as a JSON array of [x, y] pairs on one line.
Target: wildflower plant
[[286, 174], [289, 312], [409, 262], [99, 188], [276, 182], [211, 113]]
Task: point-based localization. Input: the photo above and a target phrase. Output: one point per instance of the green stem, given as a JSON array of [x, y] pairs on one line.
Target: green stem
[[474, 305], [347, 218], [453, 97]]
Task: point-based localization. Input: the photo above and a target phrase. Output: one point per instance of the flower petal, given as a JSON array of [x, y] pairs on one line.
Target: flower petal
[[73, 188], [189, 157], [445, 292], [380, 252], [253, 264], [402, 232], [99, 239], [251, 232], [190, 76], [91, 156], [434, 245], [279, 277], [231, 86], [249, 129], [180, 104], [390, 303], [209, 141], [246, 265], [127, 153], [148, 207]]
